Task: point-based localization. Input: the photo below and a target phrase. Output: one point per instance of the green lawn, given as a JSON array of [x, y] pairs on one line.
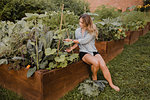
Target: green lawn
[[9, 95], [130, 71]]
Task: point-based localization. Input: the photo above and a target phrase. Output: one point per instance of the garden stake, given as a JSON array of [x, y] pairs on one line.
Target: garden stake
[[60, 27]]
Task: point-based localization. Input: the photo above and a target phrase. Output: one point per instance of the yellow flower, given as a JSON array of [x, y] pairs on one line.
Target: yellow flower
[[139, 6]]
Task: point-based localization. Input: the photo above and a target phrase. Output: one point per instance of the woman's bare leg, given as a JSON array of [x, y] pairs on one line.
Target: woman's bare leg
[[106, 72], [91, 60], [94, 71], [98, 62]]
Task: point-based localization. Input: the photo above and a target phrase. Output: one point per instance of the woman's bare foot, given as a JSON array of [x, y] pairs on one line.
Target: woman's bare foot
[[116, 88]]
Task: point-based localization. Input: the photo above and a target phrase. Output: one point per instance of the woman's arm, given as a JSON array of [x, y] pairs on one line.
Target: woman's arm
[[71, 48], [84, 40], [74, 41]]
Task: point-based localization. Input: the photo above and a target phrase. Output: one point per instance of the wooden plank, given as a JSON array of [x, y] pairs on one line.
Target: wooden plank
[[134, 36]]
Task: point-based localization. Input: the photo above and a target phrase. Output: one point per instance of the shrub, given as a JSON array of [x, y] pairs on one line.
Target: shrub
[[76, 6], [105, 12], [15, 9], [133, 20]]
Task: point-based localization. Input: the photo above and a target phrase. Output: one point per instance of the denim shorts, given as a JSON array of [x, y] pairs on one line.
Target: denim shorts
[[81, 54]]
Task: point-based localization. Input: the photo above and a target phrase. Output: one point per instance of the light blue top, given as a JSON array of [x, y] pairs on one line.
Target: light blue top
[[86, 42]]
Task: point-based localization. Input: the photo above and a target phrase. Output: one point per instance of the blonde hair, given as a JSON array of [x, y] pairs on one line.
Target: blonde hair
[[90, 27]]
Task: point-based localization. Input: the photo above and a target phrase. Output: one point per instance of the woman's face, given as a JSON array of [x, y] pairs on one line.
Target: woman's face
[[81, 23]]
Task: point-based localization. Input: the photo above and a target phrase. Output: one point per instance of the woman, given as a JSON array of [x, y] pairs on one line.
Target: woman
[[85, 38]]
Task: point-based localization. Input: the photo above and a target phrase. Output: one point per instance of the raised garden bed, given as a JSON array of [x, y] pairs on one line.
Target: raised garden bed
[[146, 28], [148, 24], [132, 37], [141, 33], [110, 49], [44, 84]]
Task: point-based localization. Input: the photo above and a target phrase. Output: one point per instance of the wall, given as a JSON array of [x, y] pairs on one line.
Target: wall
[[120, 4]]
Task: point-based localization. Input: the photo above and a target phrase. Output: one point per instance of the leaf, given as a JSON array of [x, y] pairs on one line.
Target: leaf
[[102, 23], [49, 39], [43, 64], [31, 16], [42, 15], [18, 58], [60, 36], [31, 72], [32, 43], [51, 65], [72, 57], [55, 37], [63, 64], [60, 59], [3, 61], [68, 43], [49, 51]]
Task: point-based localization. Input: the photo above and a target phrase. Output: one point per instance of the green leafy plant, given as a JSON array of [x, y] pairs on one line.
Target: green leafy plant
[[110, 29], [41, 47], [133, 20], [105, 12], [12, 42], [91, 88]]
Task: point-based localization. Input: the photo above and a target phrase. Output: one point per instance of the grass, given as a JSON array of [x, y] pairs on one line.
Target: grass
[[130, 71], [9, 95]]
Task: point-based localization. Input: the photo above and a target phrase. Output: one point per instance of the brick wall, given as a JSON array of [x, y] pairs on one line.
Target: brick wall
[[120, 4]]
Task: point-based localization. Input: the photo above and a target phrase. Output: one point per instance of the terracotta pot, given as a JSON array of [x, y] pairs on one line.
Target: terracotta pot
[[110, 49], [132, 37], [44, 84]]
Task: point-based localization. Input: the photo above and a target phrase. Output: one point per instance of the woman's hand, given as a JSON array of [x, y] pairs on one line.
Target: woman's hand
[[68, 40], [68, 50], [75, 41]]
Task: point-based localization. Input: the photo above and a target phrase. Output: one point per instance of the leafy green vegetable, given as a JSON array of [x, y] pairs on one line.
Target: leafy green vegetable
[[31, 72]]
